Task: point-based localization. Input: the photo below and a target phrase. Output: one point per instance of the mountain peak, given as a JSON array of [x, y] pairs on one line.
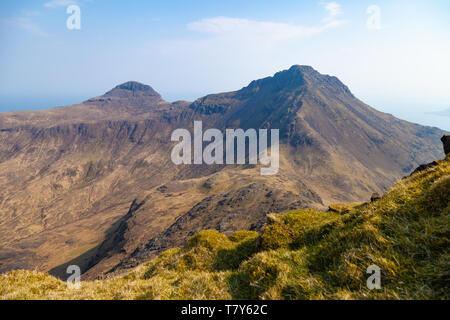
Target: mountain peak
[[296, 77], [133, 88], [302, 68], [314, 78]]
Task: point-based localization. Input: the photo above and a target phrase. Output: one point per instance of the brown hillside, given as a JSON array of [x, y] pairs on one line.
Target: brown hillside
[[94, 183]]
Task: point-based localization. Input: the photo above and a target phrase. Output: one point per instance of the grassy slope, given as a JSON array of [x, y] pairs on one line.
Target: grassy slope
[[302, 254]]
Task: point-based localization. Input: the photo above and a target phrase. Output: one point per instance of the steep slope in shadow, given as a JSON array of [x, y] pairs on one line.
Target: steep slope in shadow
[[112, 245]]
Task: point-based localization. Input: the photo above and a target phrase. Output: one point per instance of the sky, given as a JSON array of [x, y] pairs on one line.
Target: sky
[[393, 55]]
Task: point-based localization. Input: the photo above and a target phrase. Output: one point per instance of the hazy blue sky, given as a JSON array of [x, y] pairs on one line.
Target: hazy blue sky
[[399, 63]]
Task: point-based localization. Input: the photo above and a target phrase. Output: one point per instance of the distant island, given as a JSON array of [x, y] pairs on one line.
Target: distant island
[[443, 113]]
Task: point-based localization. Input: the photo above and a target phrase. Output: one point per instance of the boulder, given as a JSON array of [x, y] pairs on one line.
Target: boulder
[[446, 142], [375, 196]]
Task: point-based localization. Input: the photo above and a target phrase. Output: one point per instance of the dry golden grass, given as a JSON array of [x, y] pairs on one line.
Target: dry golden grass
[[344, 208], [304, 254]]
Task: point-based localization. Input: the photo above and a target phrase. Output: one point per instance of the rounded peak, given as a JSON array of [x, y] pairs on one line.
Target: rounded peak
[[133, 89], [134, 86]]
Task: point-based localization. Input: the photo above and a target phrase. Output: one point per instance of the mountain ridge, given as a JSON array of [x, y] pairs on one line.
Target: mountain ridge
[[69, 174]]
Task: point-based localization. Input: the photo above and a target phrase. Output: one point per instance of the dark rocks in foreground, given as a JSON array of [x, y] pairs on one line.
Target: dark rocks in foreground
[[446, 142]]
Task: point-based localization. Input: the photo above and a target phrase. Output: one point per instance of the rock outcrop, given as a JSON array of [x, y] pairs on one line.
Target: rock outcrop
[[424, 167], [375, 196], [446, 142]]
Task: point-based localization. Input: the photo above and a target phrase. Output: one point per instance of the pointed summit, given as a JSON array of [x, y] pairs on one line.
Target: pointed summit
[[295, 78], [298, 78], [302, 69], [287, 79]]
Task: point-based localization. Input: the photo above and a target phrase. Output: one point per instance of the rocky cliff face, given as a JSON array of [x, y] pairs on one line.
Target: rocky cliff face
[[69, 177]]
